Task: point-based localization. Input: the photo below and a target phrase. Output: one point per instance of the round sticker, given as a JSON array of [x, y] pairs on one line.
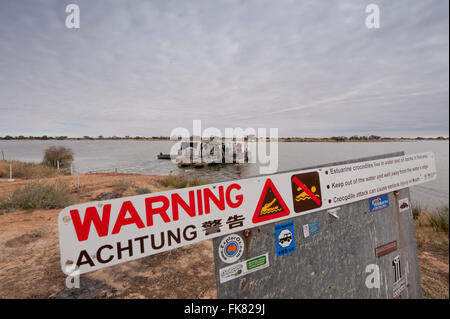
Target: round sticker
[[285, 238], [231, 248]]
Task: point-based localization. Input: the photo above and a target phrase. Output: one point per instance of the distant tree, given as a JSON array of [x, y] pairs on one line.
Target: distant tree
[[339, 138], [53, 154]]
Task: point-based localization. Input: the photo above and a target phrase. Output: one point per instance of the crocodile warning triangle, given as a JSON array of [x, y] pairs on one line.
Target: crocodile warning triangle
[[271, 205]]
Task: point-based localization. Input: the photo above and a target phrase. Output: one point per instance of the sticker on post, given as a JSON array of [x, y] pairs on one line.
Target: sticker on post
[[306, 191], [399, 280], [243, 268], [386, 249], [231, 248], [403, 204], [310, 229], [271, 205], [379, 202], [284, 238]]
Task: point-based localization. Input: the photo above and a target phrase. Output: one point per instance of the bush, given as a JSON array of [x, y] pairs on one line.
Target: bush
[[439, 219], [181, 182], [123, 184], [36, 195], [53, 154], [416, 210], [143, 190]]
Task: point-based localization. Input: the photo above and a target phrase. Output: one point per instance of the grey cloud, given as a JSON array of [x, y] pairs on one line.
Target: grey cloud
[[144, 67]]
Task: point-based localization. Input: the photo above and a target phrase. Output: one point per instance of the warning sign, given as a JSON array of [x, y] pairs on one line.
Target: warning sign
[[306, 192], [100, 234], [271, 205]]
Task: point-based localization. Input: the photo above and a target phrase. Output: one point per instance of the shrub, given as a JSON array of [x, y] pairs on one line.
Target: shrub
[[143, 190], [439, 219], [416, 210], [123, 184], [53, 154], [36, 195], [181, 182]]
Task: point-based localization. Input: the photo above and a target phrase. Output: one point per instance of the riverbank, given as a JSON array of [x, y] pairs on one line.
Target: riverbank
[[29, 250], [371, 138]]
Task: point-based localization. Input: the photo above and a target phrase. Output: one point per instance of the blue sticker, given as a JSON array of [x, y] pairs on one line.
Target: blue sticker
[[313, 228], [379, 202], [284, 238], [310, 229]]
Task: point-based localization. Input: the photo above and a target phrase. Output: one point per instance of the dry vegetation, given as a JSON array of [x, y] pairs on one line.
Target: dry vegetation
[[29, 249], [175, 181], [25, 170], [433, 246]]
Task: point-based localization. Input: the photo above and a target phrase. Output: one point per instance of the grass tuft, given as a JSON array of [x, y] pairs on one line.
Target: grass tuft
[[38, 195], [175, 181], [123, 184], [439, 219], [143, 190], [26, 170]]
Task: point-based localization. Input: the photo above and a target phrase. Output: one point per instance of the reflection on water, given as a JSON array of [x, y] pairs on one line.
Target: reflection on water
[[141, 157]]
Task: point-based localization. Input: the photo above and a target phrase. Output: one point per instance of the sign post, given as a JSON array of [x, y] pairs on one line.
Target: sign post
[[332, 252]]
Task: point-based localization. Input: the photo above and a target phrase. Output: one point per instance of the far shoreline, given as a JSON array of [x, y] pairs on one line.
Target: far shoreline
[[337, 139]]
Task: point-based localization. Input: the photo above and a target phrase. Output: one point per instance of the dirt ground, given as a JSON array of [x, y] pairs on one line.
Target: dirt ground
[[433, 260], [30, 264]]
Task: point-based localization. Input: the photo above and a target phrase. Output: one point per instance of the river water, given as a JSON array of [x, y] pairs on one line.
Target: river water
[[127, 156]]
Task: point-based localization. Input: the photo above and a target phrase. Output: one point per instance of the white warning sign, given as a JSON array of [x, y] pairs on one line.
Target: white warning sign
[[101, 234]]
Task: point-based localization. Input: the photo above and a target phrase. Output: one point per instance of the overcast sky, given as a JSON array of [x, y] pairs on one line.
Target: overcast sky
[[309, 68]]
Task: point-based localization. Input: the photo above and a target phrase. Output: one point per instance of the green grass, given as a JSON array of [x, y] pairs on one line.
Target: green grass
[[38, 195], [175, 181]]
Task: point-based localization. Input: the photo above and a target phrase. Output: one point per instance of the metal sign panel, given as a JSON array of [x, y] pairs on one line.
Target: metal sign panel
[[100, 234]]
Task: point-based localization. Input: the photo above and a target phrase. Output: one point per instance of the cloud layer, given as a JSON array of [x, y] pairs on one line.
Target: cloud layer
[[310, 68]]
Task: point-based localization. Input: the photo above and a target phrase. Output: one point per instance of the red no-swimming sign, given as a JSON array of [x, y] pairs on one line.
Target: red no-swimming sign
[[101, 234]]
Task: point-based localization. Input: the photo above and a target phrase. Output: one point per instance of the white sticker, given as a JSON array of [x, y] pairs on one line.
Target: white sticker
[[231, 248], [243, 268], [306, 230], [403, 204]]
